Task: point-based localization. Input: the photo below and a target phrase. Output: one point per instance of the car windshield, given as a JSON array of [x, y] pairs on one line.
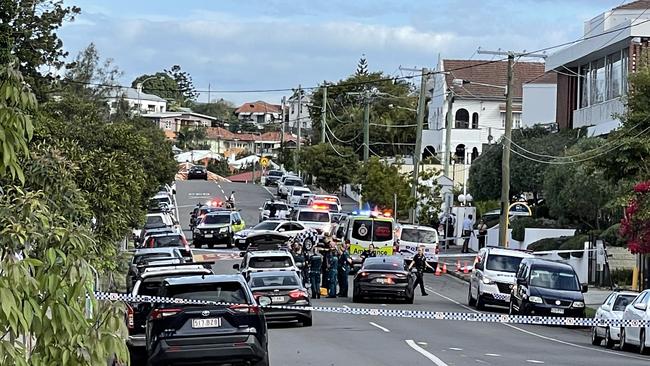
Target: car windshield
[[304, 201], [314, 216], [553, 278], [216, 219], [293, 183], [266, 225], [278, 206], [231, 292], [419, 236], [155, 221], [275, 173], [503, 263], [270, 262], [622, 301], [299, 192], [381, 265], [145, 258], [168, 241], [290, 279]]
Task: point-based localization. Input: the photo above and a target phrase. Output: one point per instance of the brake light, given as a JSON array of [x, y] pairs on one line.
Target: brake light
[[163, 313], [151, 243], [256, 295], [297, 294], [130, 323], [330, 199], [437, 250], [319, 207], [243, 308]]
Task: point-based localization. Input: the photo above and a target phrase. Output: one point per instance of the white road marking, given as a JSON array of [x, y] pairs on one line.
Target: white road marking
[[425, 353], [539, 335], [380, 327], [422, 343], [455, 349], [272, 195], [534, 361], [493, 354], [345, 306]]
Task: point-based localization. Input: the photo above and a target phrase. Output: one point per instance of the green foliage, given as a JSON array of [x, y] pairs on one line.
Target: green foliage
[[219, 167], [88, 69], [331, 169], [485, 206], [543, 245], [562, 243], [285, 158], [160, 84], [520, 223], [612, 237], [484, 181], [622, 276], [220, 109], [191, 138], [379, 182], [429, 198], [576, 242]]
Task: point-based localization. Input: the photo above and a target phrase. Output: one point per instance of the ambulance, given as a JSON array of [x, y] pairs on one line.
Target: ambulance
[[363, 228]]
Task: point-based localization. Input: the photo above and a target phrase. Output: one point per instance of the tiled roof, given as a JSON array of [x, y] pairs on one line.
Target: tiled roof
[[132, 93], [258, 107], [244, 177], [489, 73], [218, 133], [276, 136], [635, 5]]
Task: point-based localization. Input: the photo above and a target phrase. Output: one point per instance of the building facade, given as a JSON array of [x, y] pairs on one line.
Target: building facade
[[298, 113], [592, 74], [137, 100], [259, 113], [174, 121]]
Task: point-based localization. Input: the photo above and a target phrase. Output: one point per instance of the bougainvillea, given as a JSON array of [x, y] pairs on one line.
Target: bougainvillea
[[635, 226]]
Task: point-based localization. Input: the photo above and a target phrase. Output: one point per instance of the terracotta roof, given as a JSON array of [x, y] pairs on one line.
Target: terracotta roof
[[276, 136], [258, 107], [547, 78], [491, 73], [244, 177], [218, 133], [635, 5]]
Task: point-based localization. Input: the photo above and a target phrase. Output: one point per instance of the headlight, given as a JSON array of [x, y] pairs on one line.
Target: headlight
[[535, 299], [487, 281], [223, 229], [578, 304]]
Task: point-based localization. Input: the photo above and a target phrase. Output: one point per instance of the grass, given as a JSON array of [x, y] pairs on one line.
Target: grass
[[590, 312]]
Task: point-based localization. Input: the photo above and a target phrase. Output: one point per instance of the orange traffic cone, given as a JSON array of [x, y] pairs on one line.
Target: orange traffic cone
[[438, 271], [444, 268], [458, 265], [466, 268]]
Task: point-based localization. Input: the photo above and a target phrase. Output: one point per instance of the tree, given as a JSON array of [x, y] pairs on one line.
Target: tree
[[333, 168], [221, 109], [160, 84], [219, 167], [34, 40], [362, 66], [429, 197], [186, 91], [484, 180], [635, 227], [191, 138], [89, 77], [379, 182]]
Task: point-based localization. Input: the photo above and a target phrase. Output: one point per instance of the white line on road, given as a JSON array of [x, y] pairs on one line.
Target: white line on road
[[425, 353], [455, 349], [422, 343], [493, 354], [272, 195], [534, 361], [380, 327]]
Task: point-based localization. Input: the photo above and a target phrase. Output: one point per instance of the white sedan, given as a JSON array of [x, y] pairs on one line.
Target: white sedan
[[290, 228], [612, 308], [638, 310]]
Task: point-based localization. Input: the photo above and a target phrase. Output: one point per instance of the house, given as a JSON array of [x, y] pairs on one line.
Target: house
[[298, 113], [592, 73], [269, 143], [478, 106], [174, 121], [259, 112], [222, 141], [137, 99], [539, 101]]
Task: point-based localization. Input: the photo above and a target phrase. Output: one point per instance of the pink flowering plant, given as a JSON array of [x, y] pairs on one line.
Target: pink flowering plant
[[635, 226]]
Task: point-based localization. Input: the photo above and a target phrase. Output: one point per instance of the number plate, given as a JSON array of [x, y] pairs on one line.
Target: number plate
[[277, 299], [557, 311], [206, 323], [207, 235], [382, 281]]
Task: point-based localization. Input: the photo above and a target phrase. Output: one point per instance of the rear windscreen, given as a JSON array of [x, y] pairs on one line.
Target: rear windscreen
[[270, 262], [623, 301], [503, 263], [291, 279], [387, 266], [155, 220], [231, 292], [217, 219], [168, 241], [314, 216], [144, 258]]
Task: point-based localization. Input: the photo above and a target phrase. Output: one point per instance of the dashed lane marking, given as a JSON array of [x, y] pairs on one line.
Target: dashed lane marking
[[455, 349], [493, 355], [534, 361], [425, 353], [380, 327], [422, 343]]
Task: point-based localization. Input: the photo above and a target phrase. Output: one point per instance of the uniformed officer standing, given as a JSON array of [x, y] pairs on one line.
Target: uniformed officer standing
[[420, 263], [371, 252], [332, 270], [315, 263], [344, 269]]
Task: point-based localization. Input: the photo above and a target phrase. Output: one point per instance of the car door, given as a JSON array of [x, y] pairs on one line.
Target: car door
[[605, 313], [477, 273], [236, 222], [520, 286], [632, 333]]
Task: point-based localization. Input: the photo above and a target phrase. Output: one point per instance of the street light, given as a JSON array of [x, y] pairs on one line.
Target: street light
[[139, 87]]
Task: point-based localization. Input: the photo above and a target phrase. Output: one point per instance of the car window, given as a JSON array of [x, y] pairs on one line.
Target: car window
[[293, 183], [622, 301], [314, 216], [265, 225], [503, 263], [418, 236], [296, 226], [381, 265], [144, 258], [362, 229], [231, 292], [291, 279], [640, 298], [275, 173], [286, 227], [155, 220], [216, 219], [554, 278], [299, 192], [168, 241], [270, 262], [382, 230]]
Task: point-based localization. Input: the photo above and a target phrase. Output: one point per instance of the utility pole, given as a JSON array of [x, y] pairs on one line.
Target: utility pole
[[284, 101], [208, 93], [295, 155], [418, 137], [448, 126], [323, 116], [366, 129], [505, 158]]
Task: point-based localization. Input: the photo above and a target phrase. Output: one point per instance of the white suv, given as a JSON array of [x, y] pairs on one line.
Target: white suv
[[266, 260], [493, 276]]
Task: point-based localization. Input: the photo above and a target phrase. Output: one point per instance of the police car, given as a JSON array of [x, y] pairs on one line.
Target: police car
[[413, 236]]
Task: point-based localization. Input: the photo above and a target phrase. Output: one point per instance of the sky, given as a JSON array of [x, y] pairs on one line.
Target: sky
[[229, 45]]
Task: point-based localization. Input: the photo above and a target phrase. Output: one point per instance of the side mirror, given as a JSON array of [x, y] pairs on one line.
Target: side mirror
[[264, 301], [260, 208], [641, 306], [242, 254], [477, 265], [584, 288], [238, 222], [521, 281], [235, 266], [606, 308]]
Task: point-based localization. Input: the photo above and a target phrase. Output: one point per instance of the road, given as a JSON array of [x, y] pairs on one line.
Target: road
[[343, 339]]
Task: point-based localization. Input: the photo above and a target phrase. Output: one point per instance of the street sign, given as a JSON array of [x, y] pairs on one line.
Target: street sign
[[264, 161]]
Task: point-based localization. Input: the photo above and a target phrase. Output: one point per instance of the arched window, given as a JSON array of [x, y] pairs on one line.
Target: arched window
[[462, 118], [475, 120], [460, 154], [474, 154], [428, 153]]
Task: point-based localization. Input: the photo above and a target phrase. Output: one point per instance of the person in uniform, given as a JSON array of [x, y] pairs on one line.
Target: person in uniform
[[315, 263], [332, 270], [368, 253], [420, 263], [344, 269], [272, 210]]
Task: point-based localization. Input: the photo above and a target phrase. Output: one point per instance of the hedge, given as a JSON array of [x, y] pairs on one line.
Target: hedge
[[521, 223], [561, 243], [611, 236]]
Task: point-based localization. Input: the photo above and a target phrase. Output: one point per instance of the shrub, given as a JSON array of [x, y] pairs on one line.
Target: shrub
[[611, 236], [543, 245], [622, 277], [574, 243], [521, 223]]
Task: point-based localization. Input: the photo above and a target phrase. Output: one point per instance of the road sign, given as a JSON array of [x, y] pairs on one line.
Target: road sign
[[264, 162]]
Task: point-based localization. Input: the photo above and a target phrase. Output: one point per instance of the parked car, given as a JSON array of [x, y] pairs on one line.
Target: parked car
[[217, 227], [208, 334], [281, 181], [612, 309], [281, 210], [272, 177], [288, 228], [639, 309], [170, 240], [295, 193], [413, 236], [145, 257], [266, 260], [548, 288], [313, 218], [383, 277], [160, 202], [197, 172], [332, 207], [265, 240], [283, 288], [283, 187]]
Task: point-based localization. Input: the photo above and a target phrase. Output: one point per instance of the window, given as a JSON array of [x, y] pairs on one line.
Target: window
[[516, 119], [151, 107], [260, 118], [603, 79], [614, 75], [598, 81], [168, 125], [216, 219], [622, 301], [462, 118], [231, 292], [266, 225], [270, 262], [553, 278], [584, 86], [475, 120], [503, 263], [314, 216], [419, 236]]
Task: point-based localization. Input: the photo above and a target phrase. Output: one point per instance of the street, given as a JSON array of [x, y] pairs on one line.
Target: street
[[344, 339]]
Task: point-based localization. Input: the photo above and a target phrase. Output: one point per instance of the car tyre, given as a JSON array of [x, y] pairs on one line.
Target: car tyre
[[356, 297], [470, 299], [623, 346], [595, 339], [210, 245], [643, 349], [230, 242], [480, 304], [609, 342], [197, 243], [511, 309], [263, 362]]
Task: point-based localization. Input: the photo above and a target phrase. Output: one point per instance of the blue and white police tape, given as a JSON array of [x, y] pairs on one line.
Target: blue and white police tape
[[401, 313]]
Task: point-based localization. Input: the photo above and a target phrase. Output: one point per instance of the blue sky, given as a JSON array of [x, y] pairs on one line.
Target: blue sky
[[270, 44]]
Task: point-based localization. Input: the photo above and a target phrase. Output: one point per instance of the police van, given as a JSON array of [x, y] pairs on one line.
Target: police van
[[413, 236], [364, 228]]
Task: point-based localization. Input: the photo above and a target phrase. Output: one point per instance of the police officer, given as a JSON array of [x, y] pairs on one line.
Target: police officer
[[371, 252], [344, 269], [272, 209], [332, 270], [315, 263], [420, 263]]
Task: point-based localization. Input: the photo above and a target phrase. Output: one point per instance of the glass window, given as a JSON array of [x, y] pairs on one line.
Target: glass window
[[154, 220], [584, 86], [598, 81], [622, 301], [167, 241], [419, 236], [361, 229], [314, 216], [382, 230], [614, 75], [231, 292], [144, 258], [624, 68], [270, 262], [266, 225], [290, 279], [380, 264], [503, 263], [217, 219], [553, 278]]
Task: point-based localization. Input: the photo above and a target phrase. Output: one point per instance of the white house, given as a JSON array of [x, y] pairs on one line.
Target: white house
[[592, 73], [137, 99], [298, 113], [478, 107]]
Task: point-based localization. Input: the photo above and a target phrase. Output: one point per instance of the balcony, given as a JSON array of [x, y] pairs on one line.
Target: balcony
[[598, 113]]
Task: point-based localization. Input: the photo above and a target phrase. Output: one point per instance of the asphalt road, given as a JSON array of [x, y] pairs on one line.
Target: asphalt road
[[343, 339]]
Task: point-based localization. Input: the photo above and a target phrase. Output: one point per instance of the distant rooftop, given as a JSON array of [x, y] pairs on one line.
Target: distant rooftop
[[132, 93]]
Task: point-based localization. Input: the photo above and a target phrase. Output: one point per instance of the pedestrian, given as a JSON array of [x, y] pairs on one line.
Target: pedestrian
[[345, 261], [332, 270], [272, 209], [315, 263], [482, 233], [300, 260], [467, 233], [396, 247], [420, 263], [368, 253], [327, 241]]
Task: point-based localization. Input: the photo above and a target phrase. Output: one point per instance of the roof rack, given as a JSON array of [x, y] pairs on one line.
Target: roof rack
[[154, 265]]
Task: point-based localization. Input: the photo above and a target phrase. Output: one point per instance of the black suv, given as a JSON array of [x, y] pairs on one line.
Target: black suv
[[546, 287], [197, 172], [234, 333]]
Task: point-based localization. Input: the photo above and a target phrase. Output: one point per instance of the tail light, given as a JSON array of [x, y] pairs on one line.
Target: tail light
[[129, 317], [256, 295], [163, 313], [243, 308], [297, 294], [151, 241], [437, 250]]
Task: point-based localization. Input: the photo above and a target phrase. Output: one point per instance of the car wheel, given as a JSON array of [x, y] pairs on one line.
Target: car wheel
[[643, 349], [511, 309], [263, 362], [480, 304], [230, 241], [356, 297], [624, 346], [197, 244], [306, 322], [595, 339], [470, 299], [409, 300], [609, 342]]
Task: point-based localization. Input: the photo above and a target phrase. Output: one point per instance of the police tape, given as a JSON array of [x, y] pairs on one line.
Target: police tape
[[398, 313]]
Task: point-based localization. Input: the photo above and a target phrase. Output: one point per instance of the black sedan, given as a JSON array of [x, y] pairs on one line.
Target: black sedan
[[383, 277], [283, 288], [197, 172]]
